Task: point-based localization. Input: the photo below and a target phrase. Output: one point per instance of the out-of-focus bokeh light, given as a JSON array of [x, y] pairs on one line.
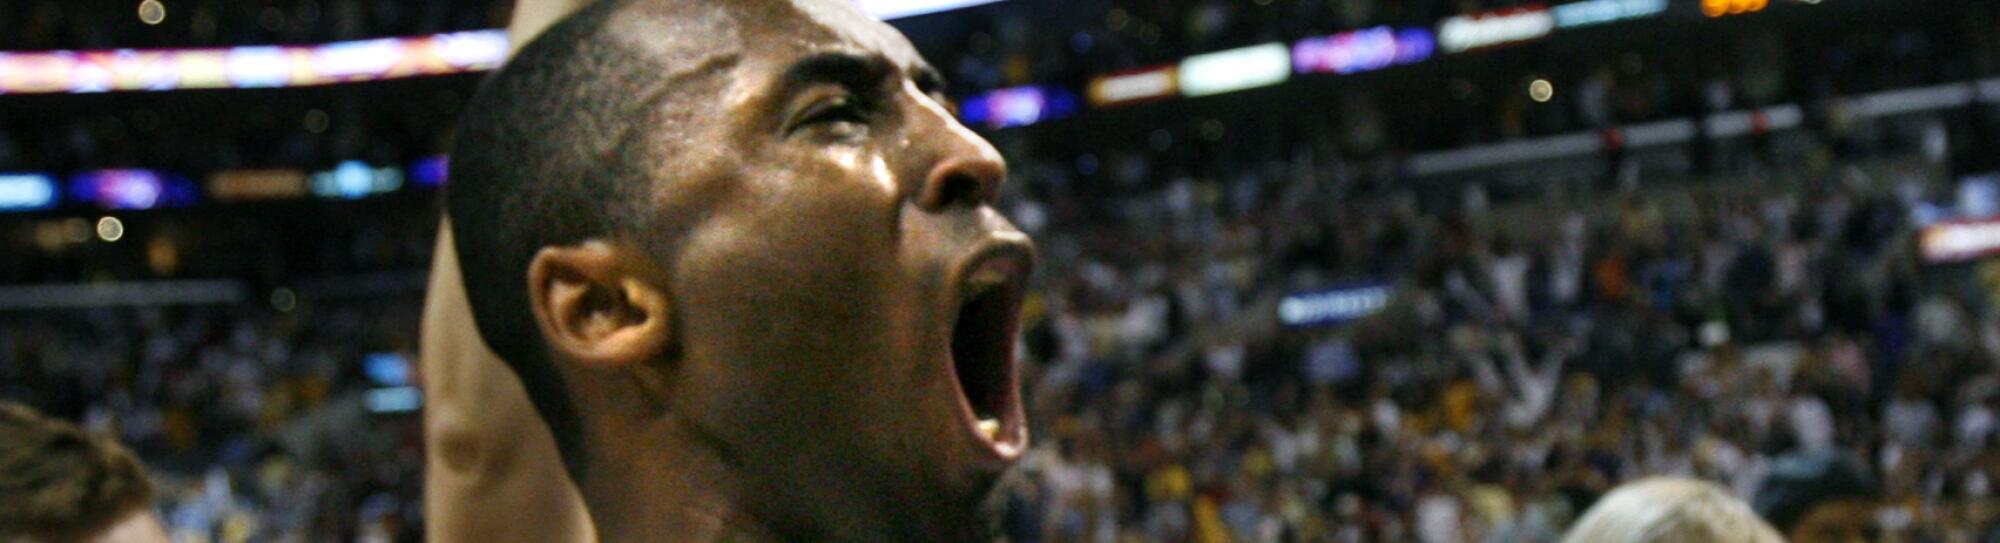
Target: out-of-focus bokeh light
[[1541, 90], [110, 229], [152, 12], [1720, 8], [316, 121], [284, 300]]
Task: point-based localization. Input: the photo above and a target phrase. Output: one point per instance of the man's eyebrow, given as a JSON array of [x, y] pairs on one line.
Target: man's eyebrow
[[859, 71]]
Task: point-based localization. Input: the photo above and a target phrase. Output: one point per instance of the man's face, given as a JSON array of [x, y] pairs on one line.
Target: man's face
[[846, 300]]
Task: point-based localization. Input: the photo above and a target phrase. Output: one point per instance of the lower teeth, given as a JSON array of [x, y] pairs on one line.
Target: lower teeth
[[990, 428]]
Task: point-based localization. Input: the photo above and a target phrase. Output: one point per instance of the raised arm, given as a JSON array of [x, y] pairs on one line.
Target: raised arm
[[492, 471]]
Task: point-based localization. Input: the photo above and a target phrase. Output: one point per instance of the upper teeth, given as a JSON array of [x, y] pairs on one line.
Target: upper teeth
[[985, 279], [989, 428]]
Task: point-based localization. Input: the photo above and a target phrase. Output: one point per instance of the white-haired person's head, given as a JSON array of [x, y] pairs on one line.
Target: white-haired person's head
[[1669, 510]]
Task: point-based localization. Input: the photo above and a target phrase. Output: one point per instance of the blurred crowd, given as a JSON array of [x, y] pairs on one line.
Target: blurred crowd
[[253, 420], [385, 124], [1538, 354]]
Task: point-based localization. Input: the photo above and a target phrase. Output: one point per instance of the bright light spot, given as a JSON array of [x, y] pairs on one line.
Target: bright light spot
[[1719, 8], [1541, 90], [152, 12], [110, 229]]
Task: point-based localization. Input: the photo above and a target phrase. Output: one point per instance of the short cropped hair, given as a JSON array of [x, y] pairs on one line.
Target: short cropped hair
[[1666, 510], [537, 162], [59, 483]]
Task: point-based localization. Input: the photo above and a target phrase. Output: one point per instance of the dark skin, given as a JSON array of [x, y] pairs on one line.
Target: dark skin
[[771, 355]]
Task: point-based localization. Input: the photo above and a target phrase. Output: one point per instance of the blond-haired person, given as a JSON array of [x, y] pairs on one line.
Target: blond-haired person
[[1668, 510]]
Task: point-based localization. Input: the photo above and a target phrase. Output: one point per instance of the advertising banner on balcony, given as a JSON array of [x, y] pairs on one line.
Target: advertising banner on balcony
[[1959, 241], [242, 185], [1497, 27], [1018, 106], [897, 9], [34, 72], [1135, 86], [1363, 50], [27, 192], [132, 189], [355, 179], [1597, 12], [1236, 69]]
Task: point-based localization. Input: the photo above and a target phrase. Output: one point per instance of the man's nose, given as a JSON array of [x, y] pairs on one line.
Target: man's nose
[[968, 172]]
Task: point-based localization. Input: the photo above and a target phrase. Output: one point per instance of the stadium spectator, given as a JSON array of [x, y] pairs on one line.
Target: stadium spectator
[[1820, 498], [59, 484], [1666, 510]]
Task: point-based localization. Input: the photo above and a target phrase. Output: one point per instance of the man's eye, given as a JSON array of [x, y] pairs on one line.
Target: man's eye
[[844, 116]]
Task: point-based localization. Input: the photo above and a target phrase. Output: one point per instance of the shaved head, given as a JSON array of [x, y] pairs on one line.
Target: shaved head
[[547, 147], [746, 264]]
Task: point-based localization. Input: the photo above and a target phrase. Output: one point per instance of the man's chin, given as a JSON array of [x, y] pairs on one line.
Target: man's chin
[[971, 518], [966, 506]]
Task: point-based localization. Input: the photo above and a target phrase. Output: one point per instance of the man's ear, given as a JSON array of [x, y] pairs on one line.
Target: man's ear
[[593, 310]]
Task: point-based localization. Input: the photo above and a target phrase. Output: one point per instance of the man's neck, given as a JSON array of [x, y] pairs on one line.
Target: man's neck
[[664, 489], [682, 522]]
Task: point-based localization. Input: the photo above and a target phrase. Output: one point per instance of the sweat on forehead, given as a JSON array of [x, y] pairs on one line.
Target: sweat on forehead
[[559, 146]]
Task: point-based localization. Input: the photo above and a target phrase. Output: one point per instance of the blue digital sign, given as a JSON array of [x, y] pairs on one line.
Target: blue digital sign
[[27, 191], [430, 172], [356, 179], [1363, 50], [132, 189], [1019, 106]]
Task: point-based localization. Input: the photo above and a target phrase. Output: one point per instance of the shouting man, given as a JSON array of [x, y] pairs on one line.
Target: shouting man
[[746, 265]]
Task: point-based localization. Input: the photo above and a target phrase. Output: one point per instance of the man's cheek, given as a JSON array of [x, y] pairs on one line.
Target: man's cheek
[[833, 217]]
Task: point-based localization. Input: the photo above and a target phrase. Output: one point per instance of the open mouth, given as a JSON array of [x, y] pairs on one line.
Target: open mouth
[[982, 347]]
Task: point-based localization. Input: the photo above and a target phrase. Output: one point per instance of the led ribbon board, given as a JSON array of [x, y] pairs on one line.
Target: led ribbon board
[[1959, 241], [1134, 86], [27, 192], [1597, 12], [1498, 27], [897, 9], [132, 189], [1019, 106], [355, 179], [1363, 50], [261, 66], [246, 185], [1235, 69]]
